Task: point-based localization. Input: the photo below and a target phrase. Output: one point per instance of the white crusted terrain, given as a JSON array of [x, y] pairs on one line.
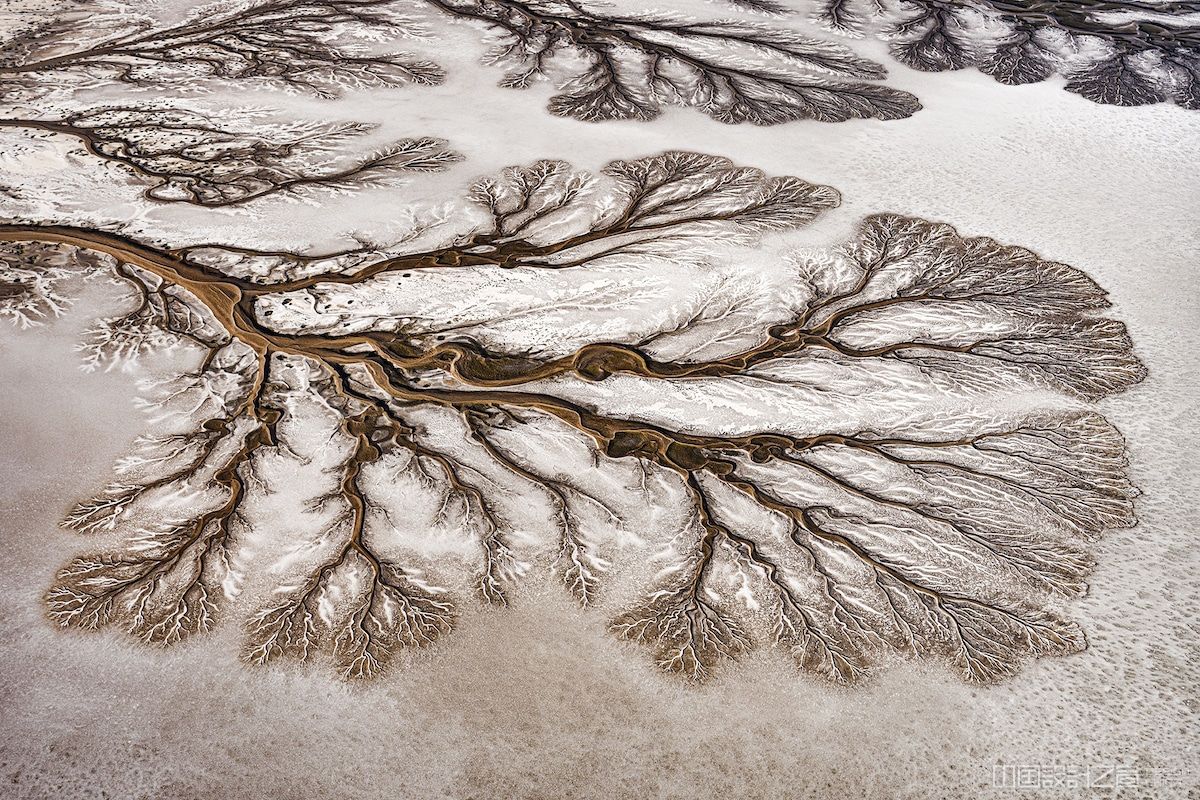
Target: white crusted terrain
[[832, 669]]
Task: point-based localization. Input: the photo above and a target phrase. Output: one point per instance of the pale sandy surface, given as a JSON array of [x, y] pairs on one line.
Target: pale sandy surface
[[538, 701]]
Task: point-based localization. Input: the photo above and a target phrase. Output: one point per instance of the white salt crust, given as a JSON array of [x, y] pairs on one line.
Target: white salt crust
[[539, 701]]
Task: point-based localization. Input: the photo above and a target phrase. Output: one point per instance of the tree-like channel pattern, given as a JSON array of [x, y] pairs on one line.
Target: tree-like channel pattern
[[1116, 52], [607, 66], [448, 459]]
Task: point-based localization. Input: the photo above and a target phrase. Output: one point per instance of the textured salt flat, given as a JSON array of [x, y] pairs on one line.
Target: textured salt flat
[[539, 699]]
